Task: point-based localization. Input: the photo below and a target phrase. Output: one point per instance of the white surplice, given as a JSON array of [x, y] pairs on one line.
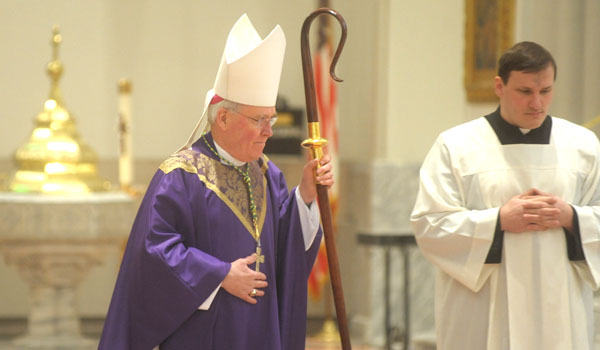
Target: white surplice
[[535, 298]]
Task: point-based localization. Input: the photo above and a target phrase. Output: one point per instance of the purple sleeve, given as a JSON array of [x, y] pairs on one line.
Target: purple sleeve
[[163, 279]]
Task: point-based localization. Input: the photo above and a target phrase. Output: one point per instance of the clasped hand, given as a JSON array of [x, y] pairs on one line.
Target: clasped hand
[[535, 210]]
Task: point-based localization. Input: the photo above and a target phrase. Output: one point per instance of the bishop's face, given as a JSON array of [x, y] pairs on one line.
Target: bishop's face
[[246, 138], [526, 97]]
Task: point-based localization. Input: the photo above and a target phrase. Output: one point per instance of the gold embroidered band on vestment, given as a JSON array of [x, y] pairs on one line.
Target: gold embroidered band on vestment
[[226, 183]]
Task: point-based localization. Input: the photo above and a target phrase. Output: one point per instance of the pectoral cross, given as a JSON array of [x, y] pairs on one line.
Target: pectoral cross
[[259, 258]]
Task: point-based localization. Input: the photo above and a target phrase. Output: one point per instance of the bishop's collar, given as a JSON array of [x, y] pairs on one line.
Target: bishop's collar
[[223, 153]]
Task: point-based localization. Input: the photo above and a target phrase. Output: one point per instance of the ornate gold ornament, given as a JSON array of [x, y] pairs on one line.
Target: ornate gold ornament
[[55, 159]]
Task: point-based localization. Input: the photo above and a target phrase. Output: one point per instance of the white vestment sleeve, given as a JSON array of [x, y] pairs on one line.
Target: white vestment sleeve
[[588, 213], [453, 235], [309, 219], [206, 304]]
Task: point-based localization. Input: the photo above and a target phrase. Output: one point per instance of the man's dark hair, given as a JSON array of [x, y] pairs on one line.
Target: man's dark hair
[[525, 56]]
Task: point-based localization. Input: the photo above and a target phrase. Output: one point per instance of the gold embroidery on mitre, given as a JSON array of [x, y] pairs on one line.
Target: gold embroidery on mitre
[[226, 183]]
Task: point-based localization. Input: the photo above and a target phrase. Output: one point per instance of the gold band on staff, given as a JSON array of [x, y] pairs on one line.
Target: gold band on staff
[[314, 143]]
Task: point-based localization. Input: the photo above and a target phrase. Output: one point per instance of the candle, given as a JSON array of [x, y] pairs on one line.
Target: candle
[[125, 142]]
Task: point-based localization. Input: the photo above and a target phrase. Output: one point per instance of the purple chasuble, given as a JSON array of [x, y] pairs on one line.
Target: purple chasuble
[[193, 222]]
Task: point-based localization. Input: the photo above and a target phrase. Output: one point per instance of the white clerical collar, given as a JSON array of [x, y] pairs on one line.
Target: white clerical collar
[[524, 131], [223, 153]]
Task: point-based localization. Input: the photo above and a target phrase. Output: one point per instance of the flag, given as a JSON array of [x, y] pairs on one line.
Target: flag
[[327, 109]]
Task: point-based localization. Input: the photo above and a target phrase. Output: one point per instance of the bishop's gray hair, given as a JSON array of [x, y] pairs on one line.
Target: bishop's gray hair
[[211, 112]]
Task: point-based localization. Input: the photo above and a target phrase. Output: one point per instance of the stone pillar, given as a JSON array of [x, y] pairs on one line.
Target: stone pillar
[[53, 241]]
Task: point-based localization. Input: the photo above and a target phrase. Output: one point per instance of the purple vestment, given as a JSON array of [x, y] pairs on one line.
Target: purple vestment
[[193, 222]]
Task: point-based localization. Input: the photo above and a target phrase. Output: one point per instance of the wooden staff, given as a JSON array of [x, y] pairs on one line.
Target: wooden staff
[[315, 144]]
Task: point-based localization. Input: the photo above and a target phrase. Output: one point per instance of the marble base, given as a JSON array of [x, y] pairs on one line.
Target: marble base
[[53, 241]]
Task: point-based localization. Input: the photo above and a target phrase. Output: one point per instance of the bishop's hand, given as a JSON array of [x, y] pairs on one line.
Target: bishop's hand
[[324, 177], [241, 280]]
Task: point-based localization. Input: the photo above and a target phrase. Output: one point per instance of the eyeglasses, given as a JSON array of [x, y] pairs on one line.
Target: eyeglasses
[[262, 120]]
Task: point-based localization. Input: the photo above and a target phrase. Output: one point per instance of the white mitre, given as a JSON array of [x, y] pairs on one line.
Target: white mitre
[[249, 72]]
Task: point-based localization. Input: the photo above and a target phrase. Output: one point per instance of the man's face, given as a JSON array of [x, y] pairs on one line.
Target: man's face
[[525, 99], [246, 140]]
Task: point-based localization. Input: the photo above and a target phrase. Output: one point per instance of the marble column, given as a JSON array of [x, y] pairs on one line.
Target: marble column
[[53, 241]]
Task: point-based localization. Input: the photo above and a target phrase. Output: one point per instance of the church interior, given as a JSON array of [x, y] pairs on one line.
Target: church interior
[[407, 76]]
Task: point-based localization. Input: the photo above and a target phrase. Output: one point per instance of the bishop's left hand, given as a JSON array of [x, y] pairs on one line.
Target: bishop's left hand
[[324, 177]]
